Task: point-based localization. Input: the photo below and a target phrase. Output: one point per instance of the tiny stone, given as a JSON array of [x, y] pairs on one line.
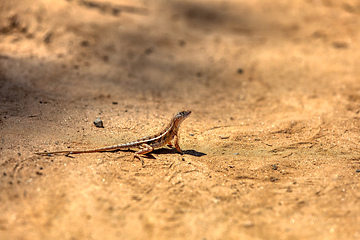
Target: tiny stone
[[274, 167], [224, 137], [339, 44], [357, 170], [191, 134], [248, 224], [85, 43], [273, 179], [48, 37], [182, 43], [98, 123], [240, 71], [149, 51], [105, 58], [115, 103], [236, 153]]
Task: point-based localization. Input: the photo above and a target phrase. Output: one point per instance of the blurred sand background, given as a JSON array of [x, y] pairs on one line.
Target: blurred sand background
[[271, 148]]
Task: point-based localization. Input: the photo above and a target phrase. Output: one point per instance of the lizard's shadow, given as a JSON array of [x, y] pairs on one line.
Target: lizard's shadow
[[161, 151], [174, 151]]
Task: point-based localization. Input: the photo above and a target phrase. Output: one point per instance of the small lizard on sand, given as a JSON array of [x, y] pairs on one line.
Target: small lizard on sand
[[145, 144]]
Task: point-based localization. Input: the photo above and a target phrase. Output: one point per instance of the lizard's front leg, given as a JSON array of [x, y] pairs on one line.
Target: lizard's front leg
[[144, 149], [176, 143]]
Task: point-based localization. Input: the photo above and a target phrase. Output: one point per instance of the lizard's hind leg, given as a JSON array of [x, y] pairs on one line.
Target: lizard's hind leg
[[144, 149]]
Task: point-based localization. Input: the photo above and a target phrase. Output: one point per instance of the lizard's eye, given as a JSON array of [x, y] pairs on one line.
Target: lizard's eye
[[182, 113]]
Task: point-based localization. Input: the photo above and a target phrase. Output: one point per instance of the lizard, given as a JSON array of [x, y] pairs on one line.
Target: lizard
[[146, 144]]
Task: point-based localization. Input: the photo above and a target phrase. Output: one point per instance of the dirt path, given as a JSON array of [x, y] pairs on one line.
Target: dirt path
[[271, 148]]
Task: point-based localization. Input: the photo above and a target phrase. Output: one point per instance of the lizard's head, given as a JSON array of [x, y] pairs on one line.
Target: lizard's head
[[181, 115]]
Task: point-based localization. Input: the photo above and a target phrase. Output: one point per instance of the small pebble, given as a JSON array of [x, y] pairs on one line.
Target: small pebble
[[224, 137], [357, 170], [273, 179], [182, 43], [236, 153], [339, 44], [149, 51], [98, 123], [248, 224], [105, 58], [85, 43], [48, 37]]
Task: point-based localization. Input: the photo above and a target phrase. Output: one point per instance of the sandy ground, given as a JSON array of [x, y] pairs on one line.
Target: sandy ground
[[271, 148]]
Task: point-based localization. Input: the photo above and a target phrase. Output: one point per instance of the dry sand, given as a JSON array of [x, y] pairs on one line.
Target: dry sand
[[271, 148]]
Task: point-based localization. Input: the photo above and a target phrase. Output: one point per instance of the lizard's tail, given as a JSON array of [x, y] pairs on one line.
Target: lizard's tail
[[105, 149]]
